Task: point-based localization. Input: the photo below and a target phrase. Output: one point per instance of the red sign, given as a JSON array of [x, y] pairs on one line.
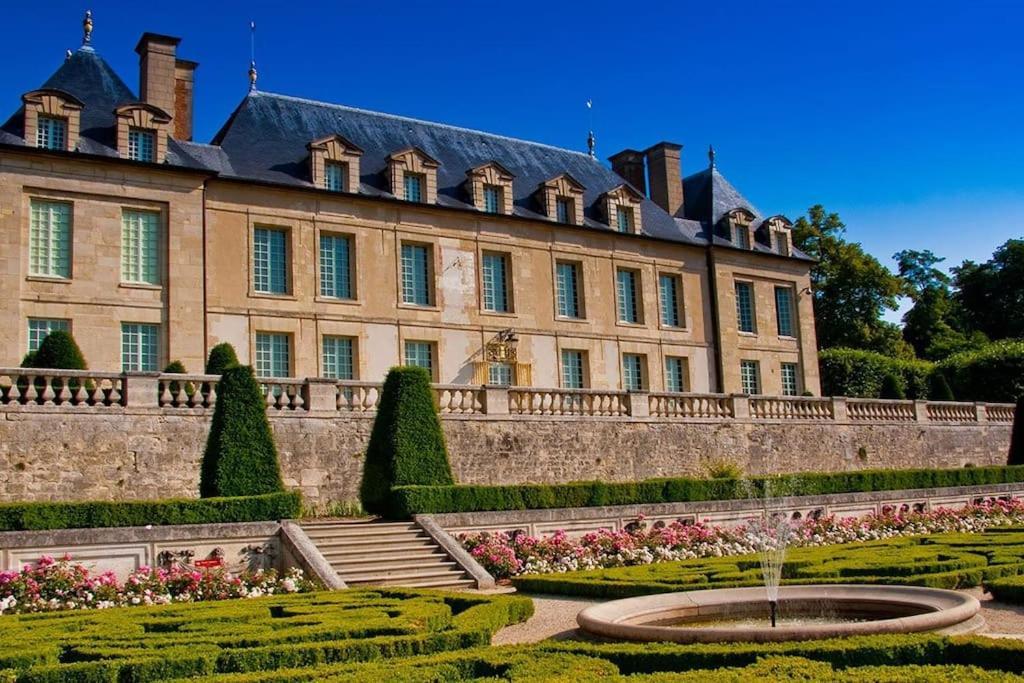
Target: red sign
[[208, 564]]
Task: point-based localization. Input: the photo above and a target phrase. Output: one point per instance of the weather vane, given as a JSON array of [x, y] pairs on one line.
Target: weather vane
[[591, 140], [252, 56]]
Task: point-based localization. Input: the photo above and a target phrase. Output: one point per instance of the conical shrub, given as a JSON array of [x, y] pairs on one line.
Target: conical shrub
[[938, 388], [222, 357], [240, 457], [406, 445], [892, 387], [59, 350]]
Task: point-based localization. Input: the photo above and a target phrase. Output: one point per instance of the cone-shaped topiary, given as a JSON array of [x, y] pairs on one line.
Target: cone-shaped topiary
[[29, 360], [176, 367], [1017, 436], [222, 357], [240, 457], [59, 350], [938, 388], [892, 387], [406, 444]]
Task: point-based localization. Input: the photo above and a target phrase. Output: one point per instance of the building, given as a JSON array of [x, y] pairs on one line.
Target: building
[[324, 240]]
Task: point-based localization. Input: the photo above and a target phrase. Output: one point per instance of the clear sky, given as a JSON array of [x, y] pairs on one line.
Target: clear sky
[[905, 117]]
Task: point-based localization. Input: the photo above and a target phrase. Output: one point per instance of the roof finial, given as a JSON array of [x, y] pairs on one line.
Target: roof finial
[[711, 156], [87, 27], [591, 140], [252, 56]]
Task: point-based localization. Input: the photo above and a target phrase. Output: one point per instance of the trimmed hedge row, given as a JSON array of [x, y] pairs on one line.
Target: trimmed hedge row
[[410, 500], [864, 374], [992, 373], [939, 561], [107, 513]]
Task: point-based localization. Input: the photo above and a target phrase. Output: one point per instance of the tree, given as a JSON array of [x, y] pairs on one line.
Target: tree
[[989, 295], [222, 356], [59, 350], [892, 387], [932, 325], [240, 457], [851, 288], [938, 387], [406, 445]]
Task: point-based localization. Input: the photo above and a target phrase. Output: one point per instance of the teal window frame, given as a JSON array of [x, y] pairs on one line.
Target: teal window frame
[[624, 219], [140, 246], [632, 372], [628, 296], [270, 260], [420, 354], [50, 239], [416, 269], [750, 377], [142, 144], [336, 266], [339, 357], [745, 317], [493, 198], [413, 185], [742, 236], [140, 347], [52, 132], [568, 276], [788, 372], [676, 374], [494, 274], [500, 374], [335, 176], [669, 299], [565, 210], [574, 375], [273, 354], [784, 311]]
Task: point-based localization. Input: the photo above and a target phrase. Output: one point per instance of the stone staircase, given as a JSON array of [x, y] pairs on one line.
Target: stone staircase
[[385, 554]]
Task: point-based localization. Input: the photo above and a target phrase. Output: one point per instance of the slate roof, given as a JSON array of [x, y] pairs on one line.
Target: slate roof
[[266, 139]]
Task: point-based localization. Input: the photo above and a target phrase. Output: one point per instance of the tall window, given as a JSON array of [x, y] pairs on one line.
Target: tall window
[[676, 374], [141, 144], [624, 218], [750, 377], [568, 289], [671, 310], [784, 310], [789, 380], [339, 357], [334, 176], [273, 354], [493, 199], [782, 244], [270, 261], [139, 347], [52, 133], [413, 187], [564, 210], [420, 354], [742, 237], [140, 246], [495, 279], [335, 266], [49, 239], [416, 274], [499, 374], [628, 295], [745, 306], [38, 328], [632, 372], [573, 374]]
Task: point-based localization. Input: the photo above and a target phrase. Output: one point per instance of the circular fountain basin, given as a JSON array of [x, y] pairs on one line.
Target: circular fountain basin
[[808, 612]]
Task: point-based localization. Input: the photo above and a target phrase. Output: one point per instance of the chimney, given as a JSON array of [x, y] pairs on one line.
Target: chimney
[[629, 164], [184, 82], [157, 66], [665, 172]]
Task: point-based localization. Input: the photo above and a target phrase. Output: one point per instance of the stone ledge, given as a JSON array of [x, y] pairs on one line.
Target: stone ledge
[[136, 534]]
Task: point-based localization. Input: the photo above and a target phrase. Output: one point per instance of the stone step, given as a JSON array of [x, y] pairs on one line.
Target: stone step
[[342, 524], [390, 553], [427, 573], [341, 546], [362, 533], [363, 566], [454, 584]]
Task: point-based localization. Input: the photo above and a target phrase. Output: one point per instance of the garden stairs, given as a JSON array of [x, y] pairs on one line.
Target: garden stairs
[[386, 554]]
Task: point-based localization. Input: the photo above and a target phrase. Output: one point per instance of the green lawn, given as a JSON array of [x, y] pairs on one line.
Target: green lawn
[[939, 561]]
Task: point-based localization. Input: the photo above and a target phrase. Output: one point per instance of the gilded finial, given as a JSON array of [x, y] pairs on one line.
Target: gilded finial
[[252, 76], [711, 155], [591, 145], [87, 27]]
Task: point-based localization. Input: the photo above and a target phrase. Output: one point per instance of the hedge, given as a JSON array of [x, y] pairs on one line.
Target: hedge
[[992, 373], [410, 500], [80, 515], [222, 357], [407, 444], [862, 374]]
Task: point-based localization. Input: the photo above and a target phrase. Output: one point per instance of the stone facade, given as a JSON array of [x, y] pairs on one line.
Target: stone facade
[[54, 454]]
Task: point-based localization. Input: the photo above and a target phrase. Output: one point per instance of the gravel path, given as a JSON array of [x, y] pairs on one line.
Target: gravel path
[[555, 617]]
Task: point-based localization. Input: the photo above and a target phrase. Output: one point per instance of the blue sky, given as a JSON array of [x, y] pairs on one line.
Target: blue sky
[[905, 117]]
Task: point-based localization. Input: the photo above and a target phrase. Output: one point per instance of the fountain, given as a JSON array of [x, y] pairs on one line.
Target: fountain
[[813, 611]]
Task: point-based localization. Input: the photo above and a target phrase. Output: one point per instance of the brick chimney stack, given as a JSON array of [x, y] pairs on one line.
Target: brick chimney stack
[[664, 168], [166, 81], [629, 164]]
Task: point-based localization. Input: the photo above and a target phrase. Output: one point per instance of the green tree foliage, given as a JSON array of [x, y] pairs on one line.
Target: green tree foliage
[[222, 356], [990, 295], [176, 367], [59, 350], [1017, 437], [28, 360], [992, 373], [406, 445], [938, 388], [851, 288], [892, 386], [240, 457]]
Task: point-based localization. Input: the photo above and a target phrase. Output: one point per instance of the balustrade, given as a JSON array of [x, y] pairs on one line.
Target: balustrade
[[999, 412], [358, 397], [791, 408], [715, 406], [31, 386], [870, 410], [529, 401], [951, 412]]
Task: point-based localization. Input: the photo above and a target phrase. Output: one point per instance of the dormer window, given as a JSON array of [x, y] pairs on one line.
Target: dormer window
[[413, 187], [490, 188], [52, 133], [564, 209], [738, 223], [621, 208], [624, 219], [52, 119], [782, 244], [741, 236], [334, 176], [778, 231], [413, 175], [141, 144], [492, 199], [334, 164]]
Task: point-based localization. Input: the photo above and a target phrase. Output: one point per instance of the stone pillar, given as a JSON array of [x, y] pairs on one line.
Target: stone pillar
[[141, 389], [321, 394], [740, 406], [639, 403], [495, 400], [981, 412], [839, 413], [920, 411]]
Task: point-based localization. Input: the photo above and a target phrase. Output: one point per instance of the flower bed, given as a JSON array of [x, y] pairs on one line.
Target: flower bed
[[507, 555], [65, 585]]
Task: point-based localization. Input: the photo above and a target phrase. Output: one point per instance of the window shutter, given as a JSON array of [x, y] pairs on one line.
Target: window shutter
[[524, 375], [480, 372]]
